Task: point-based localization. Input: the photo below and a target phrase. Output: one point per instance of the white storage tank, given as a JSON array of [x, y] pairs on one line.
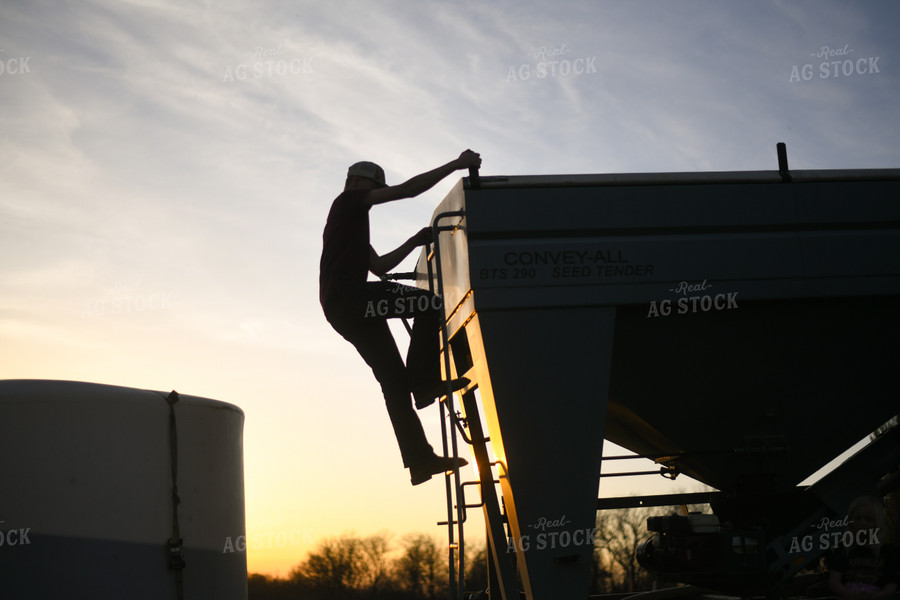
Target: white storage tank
[[87, 503]]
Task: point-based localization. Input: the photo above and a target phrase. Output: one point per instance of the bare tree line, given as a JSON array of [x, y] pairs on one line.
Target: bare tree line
[[348, 567]]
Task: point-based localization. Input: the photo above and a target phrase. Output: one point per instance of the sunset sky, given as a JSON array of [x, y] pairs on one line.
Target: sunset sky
[[166, 169]]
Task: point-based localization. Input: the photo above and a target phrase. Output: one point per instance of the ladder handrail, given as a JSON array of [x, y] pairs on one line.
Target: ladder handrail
[[477, 439], [447, 404], [455, 422]]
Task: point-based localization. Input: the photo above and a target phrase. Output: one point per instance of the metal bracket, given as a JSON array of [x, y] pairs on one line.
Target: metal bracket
[[783, 170]]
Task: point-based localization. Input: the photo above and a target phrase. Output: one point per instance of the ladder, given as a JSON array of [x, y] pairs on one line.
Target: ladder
[[501, 572]]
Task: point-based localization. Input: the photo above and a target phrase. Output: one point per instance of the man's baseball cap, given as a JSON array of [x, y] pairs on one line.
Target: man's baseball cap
[[369, 170]]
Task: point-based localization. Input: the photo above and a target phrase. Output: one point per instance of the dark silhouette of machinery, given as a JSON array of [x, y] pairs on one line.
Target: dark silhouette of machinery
[[740, 328]]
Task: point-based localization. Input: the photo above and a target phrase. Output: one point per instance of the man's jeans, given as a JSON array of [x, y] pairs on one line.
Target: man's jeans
[[359, 313]]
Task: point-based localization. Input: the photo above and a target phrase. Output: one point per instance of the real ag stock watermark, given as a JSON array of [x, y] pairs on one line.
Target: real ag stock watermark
[[267, 63], [123, 299], [694, 303], [828, 539], [550, 534], [10, 537], [16, 65], [401, 301], [842, 65], [271, 539], [552, 62]]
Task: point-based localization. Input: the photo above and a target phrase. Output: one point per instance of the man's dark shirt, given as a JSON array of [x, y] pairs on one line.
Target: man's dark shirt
[[345, 245]]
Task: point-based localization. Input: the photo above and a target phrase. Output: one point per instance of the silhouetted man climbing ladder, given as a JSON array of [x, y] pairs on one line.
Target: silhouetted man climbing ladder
[[358, 309]]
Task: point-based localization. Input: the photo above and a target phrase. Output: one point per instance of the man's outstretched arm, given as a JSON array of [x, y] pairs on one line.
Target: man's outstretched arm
[[380, 265], [423, 182]]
